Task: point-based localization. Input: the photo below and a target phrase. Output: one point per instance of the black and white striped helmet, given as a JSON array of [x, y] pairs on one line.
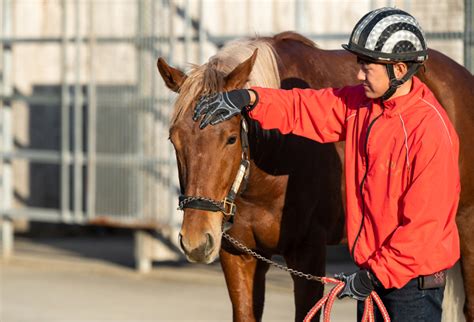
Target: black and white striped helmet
[[388, 34]]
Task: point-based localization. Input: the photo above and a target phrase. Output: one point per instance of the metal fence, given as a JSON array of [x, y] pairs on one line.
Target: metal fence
[[84, 136], [84, 116]]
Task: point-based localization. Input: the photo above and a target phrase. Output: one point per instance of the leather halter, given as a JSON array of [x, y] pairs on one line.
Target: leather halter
[[227, 205]]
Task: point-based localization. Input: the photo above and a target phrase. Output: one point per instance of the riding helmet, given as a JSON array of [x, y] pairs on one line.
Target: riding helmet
[[388, 35]]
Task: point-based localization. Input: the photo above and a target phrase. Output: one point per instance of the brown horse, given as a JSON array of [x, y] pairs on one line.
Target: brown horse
[[292, 204]]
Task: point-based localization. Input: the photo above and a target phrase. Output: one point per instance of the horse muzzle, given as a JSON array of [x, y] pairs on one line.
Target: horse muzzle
[[203, 250]]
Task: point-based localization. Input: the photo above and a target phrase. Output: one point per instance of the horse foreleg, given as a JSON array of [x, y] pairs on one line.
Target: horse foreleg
[[245, 279], [465, 223], [307, 292]]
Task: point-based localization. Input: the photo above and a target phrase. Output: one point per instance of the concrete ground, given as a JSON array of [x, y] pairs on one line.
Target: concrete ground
[[91, 279]]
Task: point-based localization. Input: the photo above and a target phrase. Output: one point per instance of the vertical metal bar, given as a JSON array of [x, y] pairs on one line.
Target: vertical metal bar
[[275, 16], [162, 92], [468, 35], [171, 53], [6, 237], [6, 141], [373, 4], [407, 5], [138, 108], [248, 15], [2, 102], [78, 154], [299, 16], [155, 152], [202, 32], [146, 114], [187, 31], [65, 102], [91, 120]]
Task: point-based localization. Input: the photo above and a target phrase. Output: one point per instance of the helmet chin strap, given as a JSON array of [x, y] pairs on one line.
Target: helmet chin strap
[[396, 83]]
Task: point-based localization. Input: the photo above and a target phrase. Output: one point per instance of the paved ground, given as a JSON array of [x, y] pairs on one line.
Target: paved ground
[[91, 279]]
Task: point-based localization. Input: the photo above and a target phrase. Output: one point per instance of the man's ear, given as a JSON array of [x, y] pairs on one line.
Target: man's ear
[[400, 69], [173, 77]]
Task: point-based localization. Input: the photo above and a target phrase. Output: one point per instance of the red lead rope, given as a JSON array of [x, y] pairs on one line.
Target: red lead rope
[[328, 300]]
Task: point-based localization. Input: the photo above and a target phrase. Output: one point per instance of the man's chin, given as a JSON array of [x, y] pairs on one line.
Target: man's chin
[[371, 95]]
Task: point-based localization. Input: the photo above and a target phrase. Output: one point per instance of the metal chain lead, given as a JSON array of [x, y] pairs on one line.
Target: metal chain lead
[[247, 250], [292, 271]]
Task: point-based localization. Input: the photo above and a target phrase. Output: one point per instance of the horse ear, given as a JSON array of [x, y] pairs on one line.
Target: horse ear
[[240, 75], [173, 77]]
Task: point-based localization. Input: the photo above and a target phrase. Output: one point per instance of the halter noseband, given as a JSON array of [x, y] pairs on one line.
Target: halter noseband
[[227, 205]]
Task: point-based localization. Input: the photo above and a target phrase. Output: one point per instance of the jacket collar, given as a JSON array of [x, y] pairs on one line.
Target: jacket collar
[[399, 104]]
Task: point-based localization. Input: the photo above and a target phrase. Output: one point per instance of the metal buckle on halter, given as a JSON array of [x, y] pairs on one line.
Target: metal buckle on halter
[[226, 204]]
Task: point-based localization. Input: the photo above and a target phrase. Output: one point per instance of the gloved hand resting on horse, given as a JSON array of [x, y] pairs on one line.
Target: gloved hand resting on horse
[[359, 285], [220, 107]]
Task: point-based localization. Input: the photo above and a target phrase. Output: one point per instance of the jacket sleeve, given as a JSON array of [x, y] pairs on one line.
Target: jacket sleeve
[[316, 114], [427, 212]]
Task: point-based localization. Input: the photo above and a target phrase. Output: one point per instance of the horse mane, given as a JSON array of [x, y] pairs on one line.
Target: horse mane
[[210, 77]]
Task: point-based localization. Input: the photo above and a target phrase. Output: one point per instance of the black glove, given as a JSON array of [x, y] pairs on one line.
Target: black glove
[[359, 285], [221, 106]]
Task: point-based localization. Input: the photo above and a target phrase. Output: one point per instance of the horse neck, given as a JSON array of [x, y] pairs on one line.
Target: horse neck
[[265, 156], [311, 69]]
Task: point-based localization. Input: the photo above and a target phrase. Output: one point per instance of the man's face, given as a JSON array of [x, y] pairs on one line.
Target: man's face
[[374, 78]]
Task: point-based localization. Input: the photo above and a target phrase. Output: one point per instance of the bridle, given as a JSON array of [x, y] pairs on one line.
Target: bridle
[[227, 205]]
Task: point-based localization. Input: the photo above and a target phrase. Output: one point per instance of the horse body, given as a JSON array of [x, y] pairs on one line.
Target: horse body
[[292, 204]]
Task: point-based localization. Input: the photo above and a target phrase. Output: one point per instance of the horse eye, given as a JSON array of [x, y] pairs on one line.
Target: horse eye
[[232, 140]]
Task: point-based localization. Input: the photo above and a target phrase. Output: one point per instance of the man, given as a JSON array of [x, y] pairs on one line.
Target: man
[[401, 162]]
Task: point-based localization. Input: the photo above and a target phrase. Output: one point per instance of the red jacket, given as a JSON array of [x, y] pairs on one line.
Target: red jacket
[[401, 168]]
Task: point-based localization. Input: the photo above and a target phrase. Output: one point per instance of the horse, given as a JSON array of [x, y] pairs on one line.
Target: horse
[[290, 202]]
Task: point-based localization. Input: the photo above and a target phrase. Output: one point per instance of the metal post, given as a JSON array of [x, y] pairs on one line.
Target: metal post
[[275, 16], [468, 35], [78, 154], [300, 20], [6, 132], [161, 94], [154, 204], [139, 107], [65, 104], [202, 32], [6, 235], [248, 17], [91, 120], [171, 53], [6, 139], [187, 31], [407, 5]]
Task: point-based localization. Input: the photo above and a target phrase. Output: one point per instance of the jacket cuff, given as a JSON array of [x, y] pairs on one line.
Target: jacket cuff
[[251, 107], [376, 270]]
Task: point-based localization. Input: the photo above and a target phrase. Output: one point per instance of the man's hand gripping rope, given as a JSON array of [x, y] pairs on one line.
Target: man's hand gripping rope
[[343, 285]]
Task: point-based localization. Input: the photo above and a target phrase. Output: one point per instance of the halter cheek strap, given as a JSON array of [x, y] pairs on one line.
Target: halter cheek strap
[[396, 83]]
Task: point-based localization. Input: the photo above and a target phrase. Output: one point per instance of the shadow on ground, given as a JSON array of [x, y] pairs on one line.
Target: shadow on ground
[[116, 246]]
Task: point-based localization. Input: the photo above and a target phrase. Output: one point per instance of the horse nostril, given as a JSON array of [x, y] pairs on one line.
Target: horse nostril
[[209, 243], [180, 237]]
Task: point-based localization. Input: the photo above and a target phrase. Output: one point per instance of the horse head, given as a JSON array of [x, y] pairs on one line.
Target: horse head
[[208, 159]]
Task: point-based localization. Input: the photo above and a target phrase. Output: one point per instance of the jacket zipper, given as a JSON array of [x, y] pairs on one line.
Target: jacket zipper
[[361, 187]]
